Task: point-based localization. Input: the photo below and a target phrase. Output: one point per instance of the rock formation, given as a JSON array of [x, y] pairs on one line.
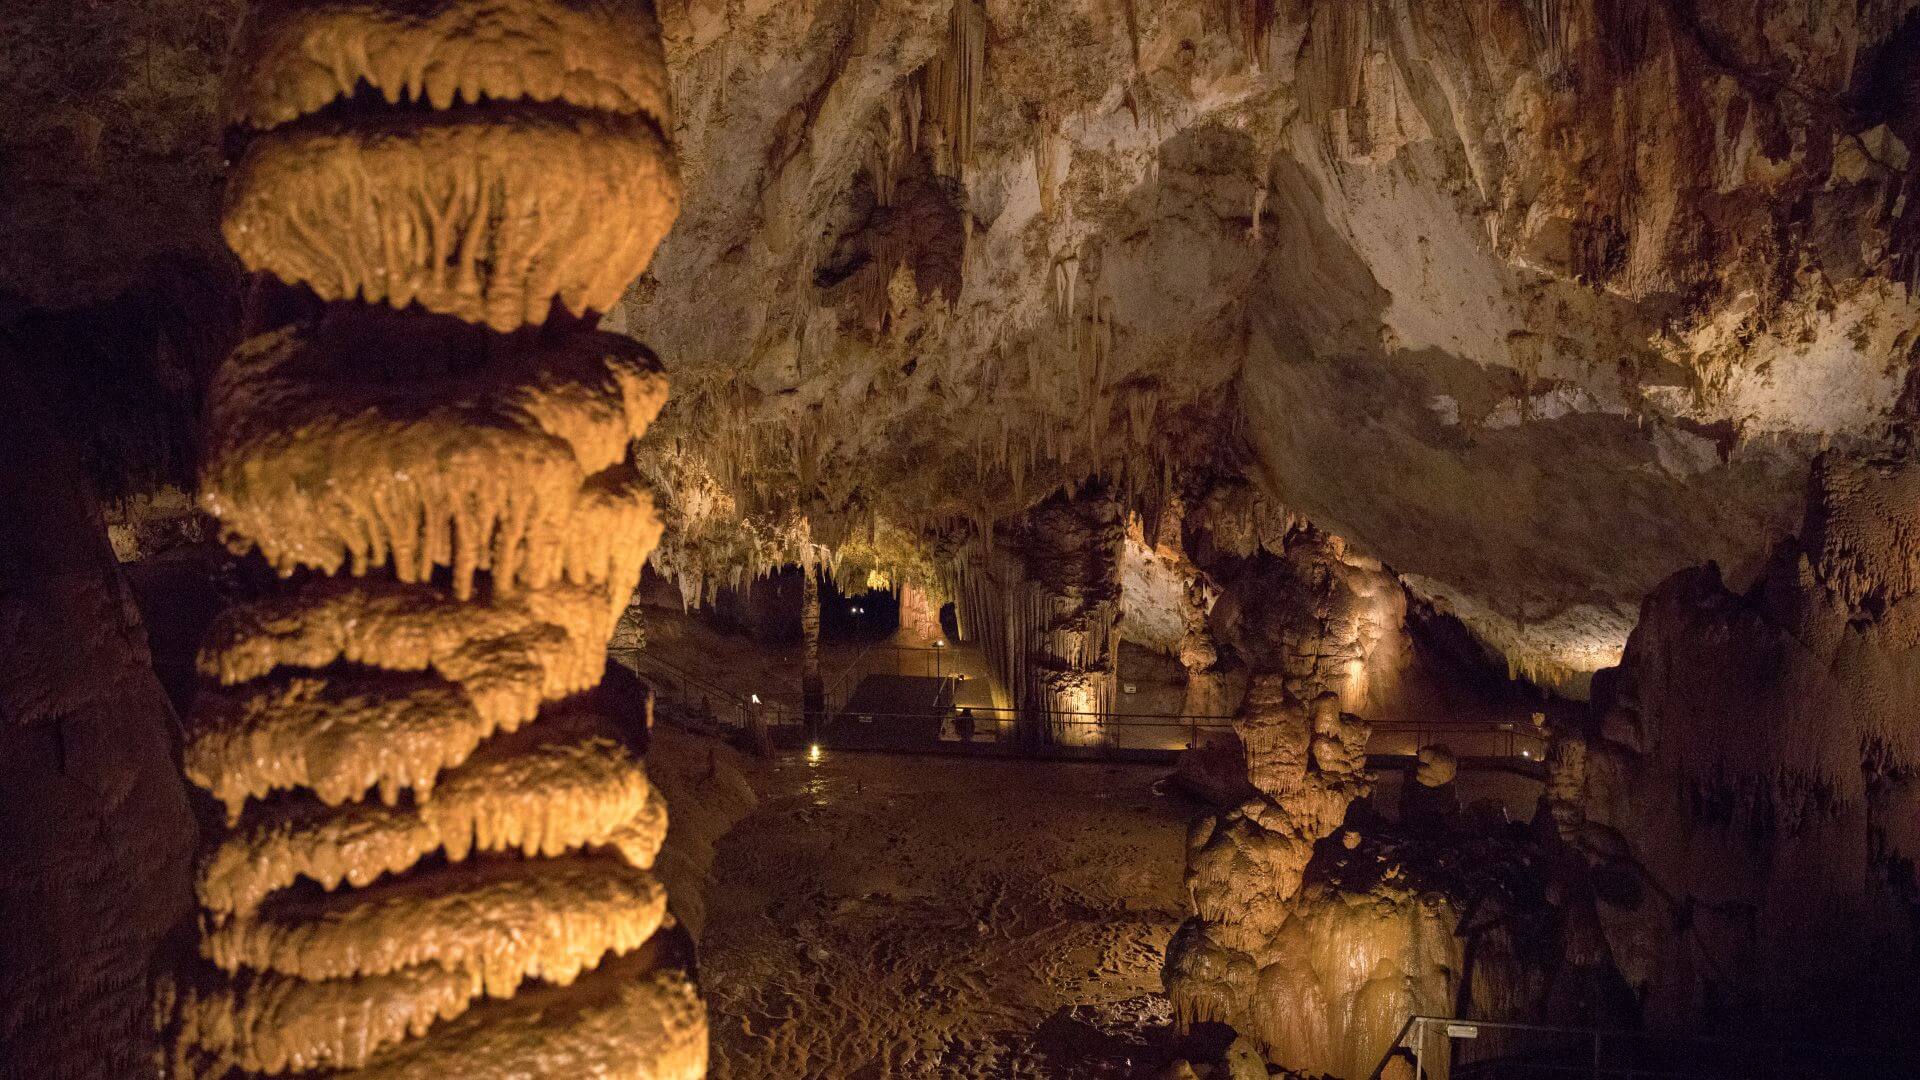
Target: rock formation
[[1042, 596], [1600, 276], [1245, 867], [94, 872], [1304, 610], [1749, 777], [426, 812], [1308, 622], [1535, 303]]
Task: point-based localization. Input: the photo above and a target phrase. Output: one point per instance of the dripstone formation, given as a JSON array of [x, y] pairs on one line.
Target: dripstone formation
[[437, 852]]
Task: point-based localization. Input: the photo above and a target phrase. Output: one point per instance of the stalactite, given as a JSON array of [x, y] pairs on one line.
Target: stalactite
[[1262, 189], [1052, 160], [954, 81], [887, 149], [1253, 23], [1549, 22], [1066, 279], [1339, 36], [1132, 18]]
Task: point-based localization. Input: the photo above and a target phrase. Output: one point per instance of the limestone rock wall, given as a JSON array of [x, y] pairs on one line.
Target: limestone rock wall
[[94, 874], [1750, 776], [1536, 303]]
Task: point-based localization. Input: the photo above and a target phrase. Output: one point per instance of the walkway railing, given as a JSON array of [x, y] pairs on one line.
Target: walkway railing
[[984, 725], [1068, 733], [886, 658], [1439, 1046], [700, 695], [1467, 739]]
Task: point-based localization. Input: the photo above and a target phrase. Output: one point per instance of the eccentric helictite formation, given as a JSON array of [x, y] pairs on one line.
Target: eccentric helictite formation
[[438, 852]]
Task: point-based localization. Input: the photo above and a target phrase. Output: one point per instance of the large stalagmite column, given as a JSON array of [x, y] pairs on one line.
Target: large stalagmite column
[[919, 617], [1310, 620], [438, 846], [1072, 549], [1046, 596], [813, 692]]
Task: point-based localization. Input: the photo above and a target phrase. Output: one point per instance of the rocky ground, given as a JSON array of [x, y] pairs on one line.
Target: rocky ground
[[883, 916]]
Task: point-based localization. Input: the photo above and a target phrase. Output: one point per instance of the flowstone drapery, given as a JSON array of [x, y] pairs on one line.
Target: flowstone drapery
[[438, 844], [1043, 600]]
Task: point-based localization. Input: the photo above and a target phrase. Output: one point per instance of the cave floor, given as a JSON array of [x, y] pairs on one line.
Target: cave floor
[[882, 916]]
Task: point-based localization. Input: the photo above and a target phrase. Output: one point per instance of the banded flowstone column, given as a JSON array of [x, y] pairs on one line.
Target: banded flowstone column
[[1043, 601], [813, 689], [437, 852], [1071, 616]]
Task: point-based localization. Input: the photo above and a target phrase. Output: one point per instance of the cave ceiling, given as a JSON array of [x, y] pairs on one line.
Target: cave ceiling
[[1538, 303], [1535, 302]]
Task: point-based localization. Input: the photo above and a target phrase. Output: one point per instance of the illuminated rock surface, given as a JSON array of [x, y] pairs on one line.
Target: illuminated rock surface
[[1482, 318], [462, 530]]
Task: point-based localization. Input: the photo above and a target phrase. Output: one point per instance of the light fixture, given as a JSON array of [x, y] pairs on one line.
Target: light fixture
[[941, 644], [755, 698], [813, 752]]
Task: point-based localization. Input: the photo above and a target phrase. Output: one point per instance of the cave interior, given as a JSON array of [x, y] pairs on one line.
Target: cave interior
[[994, 538]]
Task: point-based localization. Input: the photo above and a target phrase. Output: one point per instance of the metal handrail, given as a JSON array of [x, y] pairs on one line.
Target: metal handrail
[[1454, 1028], [735, 702], [741, 711]]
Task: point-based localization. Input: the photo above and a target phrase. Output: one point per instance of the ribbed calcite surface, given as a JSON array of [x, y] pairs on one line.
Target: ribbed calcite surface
[[272, 1024], [551, 788], [504, 920], [552, 636], [300, 55], [488, 215], [619, 1021], [326, 466], [437, 854]]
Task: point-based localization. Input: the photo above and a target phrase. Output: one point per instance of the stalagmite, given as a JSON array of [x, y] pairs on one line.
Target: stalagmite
[[1311, 620], [398, 737], [813, 694], [1046, 602]]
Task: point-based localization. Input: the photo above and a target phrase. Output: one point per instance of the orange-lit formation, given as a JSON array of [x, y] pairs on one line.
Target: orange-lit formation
[[483, 160], [438, 855]]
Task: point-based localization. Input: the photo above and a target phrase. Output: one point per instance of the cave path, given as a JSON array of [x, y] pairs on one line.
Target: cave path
[[885, 916]]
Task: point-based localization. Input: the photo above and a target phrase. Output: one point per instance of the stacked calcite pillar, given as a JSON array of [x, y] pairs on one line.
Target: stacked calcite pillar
[[437, 851]]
